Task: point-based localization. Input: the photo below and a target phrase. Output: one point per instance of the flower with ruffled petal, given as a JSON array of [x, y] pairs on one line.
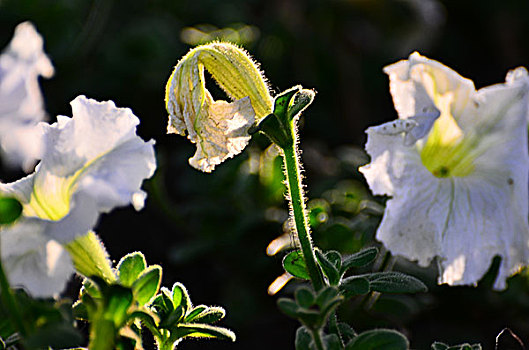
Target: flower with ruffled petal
[[455, 165], [218, 128], [91, 164], [21, 103]]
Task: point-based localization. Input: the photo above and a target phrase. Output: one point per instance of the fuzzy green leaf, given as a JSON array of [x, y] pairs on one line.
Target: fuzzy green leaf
[[394, 282], [288, 307], [302, 99], [210, 315], [118, 300], [130, 267], [198, 330], [304, 297], [294, 264], [359, 259], [194, 313], [181, 297], [354, 285], [303, 338], [379, 339], [329, 269], [147, 284]]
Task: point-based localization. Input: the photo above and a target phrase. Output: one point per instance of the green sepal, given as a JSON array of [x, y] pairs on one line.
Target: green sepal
[[329, 269], [147, 284], [294, 264], [302, 99], [275, 130], [394, 282], [130, 267], [283, 101], [379, 339], [10, 210], [147, 320], [359, 259], [354, 285]]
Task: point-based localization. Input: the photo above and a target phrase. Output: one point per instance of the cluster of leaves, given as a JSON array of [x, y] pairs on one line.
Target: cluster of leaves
[[118, 311], [313, 310]]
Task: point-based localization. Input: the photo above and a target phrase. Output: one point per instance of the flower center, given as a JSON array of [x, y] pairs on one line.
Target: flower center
[[447, 152]]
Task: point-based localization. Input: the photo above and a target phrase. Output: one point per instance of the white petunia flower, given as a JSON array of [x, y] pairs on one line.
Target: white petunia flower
[[218, 128], [21, 103], [456, 167], [91, 164]]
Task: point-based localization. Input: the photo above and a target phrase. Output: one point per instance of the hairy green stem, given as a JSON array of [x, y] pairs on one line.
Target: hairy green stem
[[316, 336], [297, 203], [10, 303]]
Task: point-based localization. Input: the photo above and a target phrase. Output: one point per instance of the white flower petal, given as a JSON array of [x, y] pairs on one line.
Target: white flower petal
[[21, 102], [223, 133], [93, 163], [477, 206], [33, 261]]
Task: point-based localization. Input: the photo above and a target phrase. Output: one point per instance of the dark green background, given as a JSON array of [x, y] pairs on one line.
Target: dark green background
[[210, 231]]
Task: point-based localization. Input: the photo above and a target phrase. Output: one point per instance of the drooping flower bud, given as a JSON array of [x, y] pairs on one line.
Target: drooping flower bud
[[218, 128]]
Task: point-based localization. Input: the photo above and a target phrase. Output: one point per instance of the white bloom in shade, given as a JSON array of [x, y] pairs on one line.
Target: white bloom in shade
[[456, 167], [21, 103], [91, 164]]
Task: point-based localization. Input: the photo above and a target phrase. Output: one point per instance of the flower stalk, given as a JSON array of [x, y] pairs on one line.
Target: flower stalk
[[280, 127]]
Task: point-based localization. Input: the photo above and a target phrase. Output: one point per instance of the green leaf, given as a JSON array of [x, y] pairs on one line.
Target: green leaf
[[379, 339], [303, 338], [146, 320], [394, 282], [210, 315], [330, 271], [195, 312], [181, 297], [163, 305], [288, 307], [10, 210], [130, 267], [326, 296], [354, 285], [294, 264], [359, 259], [198, 330], [173, 318], [304, 297], [332, 342], [2, 344], [346, 331], [147, 285]]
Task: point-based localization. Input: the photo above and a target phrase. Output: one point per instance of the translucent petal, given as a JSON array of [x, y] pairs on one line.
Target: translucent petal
[[21, 102]]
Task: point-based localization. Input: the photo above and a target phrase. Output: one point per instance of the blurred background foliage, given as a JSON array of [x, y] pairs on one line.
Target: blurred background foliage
[[211, 231]]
